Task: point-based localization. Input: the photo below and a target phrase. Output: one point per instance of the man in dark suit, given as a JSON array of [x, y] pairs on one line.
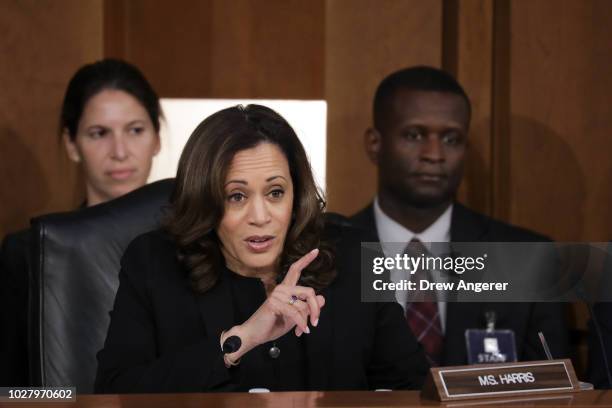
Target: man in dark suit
[[418, 142]]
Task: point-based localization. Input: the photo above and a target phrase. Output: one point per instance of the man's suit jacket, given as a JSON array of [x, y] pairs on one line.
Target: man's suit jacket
[[525, 319], [165, 338], [600, 333], [598, 372]]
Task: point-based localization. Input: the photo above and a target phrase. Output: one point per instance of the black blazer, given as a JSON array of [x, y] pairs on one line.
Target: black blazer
[[525, 319], [165, 338], [13, 309]]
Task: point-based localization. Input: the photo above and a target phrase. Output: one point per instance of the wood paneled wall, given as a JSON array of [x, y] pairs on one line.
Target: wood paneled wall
[[540, 150], [222, 49], [41, 44], [187, 48], [360, 50], [537, 74], [468, 53], [559, 148]]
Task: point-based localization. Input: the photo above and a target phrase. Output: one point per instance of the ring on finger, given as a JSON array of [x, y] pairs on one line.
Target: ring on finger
[[293, 299]]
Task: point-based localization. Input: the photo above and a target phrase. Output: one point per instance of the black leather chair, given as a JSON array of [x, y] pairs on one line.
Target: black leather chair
[[73, 279]]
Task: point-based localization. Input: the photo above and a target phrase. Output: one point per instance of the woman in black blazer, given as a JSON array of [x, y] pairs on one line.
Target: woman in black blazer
[[247, 286]]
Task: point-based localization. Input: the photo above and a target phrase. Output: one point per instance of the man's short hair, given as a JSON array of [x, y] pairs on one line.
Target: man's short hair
[[419, 78]]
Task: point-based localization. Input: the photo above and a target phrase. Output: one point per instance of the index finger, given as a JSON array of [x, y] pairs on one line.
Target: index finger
[[295, 270]]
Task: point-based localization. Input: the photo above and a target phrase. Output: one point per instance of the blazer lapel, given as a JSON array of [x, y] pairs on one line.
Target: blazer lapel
[[319, 345], [216, 318], [364, 219], [466, 225]]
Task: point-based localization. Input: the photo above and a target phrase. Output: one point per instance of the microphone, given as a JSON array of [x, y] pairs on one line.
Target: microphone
[[231, 344], [584, 386], [545, 346]]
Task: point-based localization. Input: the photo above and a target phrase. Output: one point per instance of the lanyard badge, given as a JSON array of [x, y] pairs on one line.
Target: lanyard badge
[[490, 345]]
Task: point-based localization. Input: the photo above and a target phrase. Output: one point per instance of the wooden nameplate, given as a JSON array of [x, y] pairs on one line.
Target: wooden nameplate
[[500, 380]]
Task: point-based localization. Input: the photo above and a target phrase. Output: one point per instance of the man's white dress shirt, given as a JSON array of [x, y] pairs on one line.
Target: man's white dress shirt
[[390, 231]]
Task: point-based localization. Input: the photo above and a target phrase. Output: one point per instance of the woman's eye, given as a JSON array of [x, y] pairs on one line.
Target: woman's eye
[[137, 130], [97, 133], [236, 197], [276, 194]]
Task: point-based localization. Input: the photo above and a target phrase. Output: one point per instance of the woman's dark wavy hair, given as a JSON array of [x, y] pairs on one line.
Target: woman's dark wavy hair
[[197, 204]]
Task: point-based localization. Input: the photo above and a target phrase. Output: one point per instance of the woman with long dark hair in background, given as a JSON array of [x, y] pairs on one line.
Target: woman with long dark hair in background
[[109, 124]]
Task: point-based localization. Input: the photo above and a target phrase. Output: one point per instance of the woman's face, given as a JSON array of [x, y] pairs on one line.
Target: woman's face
[[258, 207], [115, 142]]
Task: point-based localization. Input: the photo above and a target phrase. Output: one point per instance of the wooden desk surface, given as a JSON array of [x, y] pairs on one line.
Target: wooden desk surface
[[311, 399]]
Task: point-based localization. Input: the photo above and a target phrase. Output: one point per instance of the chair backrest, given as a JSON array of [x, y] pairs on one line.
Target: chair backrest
[[73, 279]]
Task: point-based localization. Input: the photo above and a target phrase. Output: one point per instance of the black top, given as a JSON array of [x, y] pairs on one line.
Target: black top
[[13, 309], [163, 337], [261, 368]]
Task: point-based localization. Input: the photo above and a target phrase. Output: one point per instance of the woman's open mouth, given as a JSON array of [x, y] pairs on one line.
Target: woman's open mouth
[[259, 243]]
